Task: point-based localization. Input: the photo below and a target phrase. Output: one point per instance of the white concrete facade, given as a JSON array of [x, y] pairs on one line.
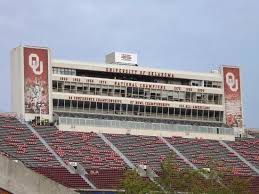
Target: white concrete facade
[[19, 106]]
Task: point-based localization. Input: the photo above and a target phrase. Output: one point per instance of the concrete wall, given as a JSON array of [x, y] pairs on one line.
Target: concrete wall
[[18, 179], [17, 81]]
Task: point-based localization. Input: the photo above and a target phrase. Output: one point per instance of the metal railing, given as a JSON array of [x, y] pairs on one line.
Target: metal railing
[[117, 124]]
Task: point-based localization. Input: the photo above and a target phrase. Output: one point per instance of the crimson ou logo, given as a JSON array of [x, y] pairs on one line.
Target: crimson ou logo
[[232, 82], [35, 64]]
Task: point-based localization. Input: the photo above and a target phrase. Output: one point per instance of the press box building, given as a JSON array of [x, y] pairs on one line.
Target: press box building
[[121, 96]]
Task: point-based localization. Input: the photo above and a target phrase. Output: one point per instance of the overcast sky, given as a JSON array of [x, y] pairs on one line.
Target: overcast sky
[[195, 35]]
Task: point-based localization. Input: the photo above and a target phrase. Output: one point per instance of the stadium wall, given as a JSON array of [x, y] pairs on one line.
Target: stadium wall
[[18, 179], [17, 77], [149, 132]]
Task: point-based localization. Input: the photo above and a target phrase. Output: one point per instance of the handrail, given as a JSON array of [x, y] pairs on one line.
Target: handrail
[[144, 125], [58, 158], [251, 166]]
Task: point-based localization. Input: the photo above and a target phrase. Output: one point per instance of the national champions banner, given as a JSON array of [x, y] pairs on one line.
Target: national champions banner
[[36, 92], [232, 91]]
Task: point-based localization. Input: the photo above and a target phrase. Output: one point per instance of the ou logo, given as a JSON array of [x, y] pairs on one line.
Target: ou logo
[[232, 82], [35, 64]]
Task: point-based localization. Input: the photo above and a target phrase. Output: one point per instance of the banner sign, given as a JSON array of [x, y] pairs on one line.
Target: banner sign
[[232, 91], [36, 92]]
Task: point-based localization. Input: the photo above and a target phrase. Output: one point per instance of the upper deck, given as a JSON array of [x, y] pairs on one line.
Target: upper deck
[[137, 73]]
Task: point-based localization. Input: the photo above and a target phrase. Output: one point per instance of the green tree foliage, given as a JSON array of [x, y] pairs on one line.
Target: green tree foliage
[[134, 184], [210, 180], [173, 180]]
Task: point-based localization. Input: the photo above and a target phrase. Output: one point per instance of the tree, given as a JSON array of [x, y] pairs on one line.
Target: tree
[[210, 180], [173, 179], [134, 184]]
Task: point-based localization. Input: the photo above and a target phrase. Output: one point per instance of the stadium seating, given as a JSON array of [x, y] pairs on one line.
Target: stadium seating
[[104, 167], [248, 148], [202, 152], [146, 150], [19, 143], [86, 148], [107, 178], [62, 176], [254, 133]]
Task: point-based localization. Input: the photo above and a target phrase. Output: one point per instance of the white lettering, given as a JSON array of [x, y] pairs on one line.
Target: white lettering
[[35, 63]]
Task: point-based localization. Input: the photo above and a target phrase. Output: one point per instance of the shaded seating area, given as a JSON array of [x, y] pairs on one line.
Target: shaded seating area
[[202, 152], [248, 148], [19, 143], [146, 150]]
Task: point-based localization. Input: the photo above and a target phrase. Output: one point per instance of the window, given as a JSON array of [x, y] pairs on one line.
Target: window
[[188, 113], [117, 92], [165, 112], [141, 93], [80, 105], [200, 114], [63, 71], [135, 92], [159, 111], [99, 106], [188, 97], [153, 111], [60, 104], [86, 88], [67, 87], [196, 83], [98, 90], [212, 115], [153, 94], [60, 86], [117, 109], [177, 112], [136, 109], [55, 103], [67, 104], [129, 92], [105, 108], [74, 104], [111, 108], [217, 115], [210, 98], [79, 88], [182, 113], [123, 92], [130, 109], [199, 97], [86, 106], [92, 89], [141, 110], [194, 114], [105, 91], [73, 87], [206, 115], [147, 111], [93, 106], [55, 86], [123, 109], [171, 112]]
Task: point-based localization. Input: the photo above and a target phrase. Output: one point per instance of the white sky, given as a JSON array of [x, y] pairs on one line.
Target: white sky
[[195, 35]]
